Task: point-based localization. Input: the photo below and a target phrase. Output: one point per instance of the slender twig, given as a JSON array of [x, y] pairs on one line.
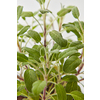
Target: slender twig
[[20, 78], [79, 69], [81, 79]]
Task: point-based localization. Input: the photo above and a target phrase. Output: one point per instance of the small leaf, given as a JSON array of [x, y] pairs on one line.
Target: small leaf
[[23, 30], [27, 14], [42, 51], [29, 78], [71, 63], [19, 27], [56, 46], [54, 51], [70, 51], [38, 86], [41, 1], [21, 57], [45, 11], [75, 12], [57, 37], [19, 11], [18, 68], [76, 23], [32, 53], [42, 59], [77, 95], [70, 78], [33, 96], [77, 44], [61, 93], [64, 11], [70, 27], [34, 26], [34, 35]]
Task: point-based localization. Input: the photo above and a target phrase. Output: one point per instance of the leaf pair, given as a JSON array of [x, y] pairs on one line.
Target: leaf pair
[[64, 11], [61, 93]]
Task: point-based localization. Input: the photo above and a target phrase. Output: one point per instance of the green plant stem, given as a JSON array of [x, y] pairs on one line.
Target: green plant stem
[[51, 82], [48, 4], [38, 23]]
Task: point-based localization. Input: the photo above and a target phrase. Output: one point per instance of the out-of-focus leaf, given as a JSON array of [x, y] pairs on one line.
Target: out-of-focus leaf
[[23, 30], [44, 11], [41, 1], [19, 11], [64, 11], [19, 27], [27, 14]]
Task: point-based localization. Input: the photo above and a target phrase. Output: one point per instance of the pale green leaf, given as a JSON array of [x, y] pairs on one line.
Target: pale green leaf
[[19, 11], [71, 63], [19, 27], [75, 12], [23, 30], [57, 37], [32, 53], [27, 14], [34, 35], [29, 78], [45, 11], [38, 86], [64, 11]]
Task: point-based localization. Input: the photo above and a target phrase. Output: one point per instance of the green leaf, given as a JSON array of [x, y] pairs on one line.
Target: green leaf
[[61, 93], [42, 59], [44, 11], [77, 95], [21, 57], [42, 51], [19, 27], [70, 78], [64, 11], [29, 78], [18, 68], [34, 27], [41, 1], [71, 63], [70, 51], [76, 23], [27, 14], [71, 86], [70, 27], [38, 86], [23, 30], [32, 53], [77, 44], [19, 11], [57, 37], [75, 12], [34, 35], [56, 46], [33, 96]]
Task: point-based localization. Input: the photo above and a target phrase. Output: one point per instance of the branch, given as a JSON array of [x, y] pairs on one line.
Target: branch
[[81, 79], [20, 78]]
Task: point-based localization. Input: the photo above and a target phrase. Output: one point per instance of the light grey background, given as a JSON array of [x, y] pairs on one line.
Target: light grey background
[[54, 6]]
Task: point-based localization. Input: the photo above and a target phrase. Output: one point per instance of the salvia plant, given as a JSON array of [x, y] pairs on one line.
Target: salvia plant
[[50, 69]]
